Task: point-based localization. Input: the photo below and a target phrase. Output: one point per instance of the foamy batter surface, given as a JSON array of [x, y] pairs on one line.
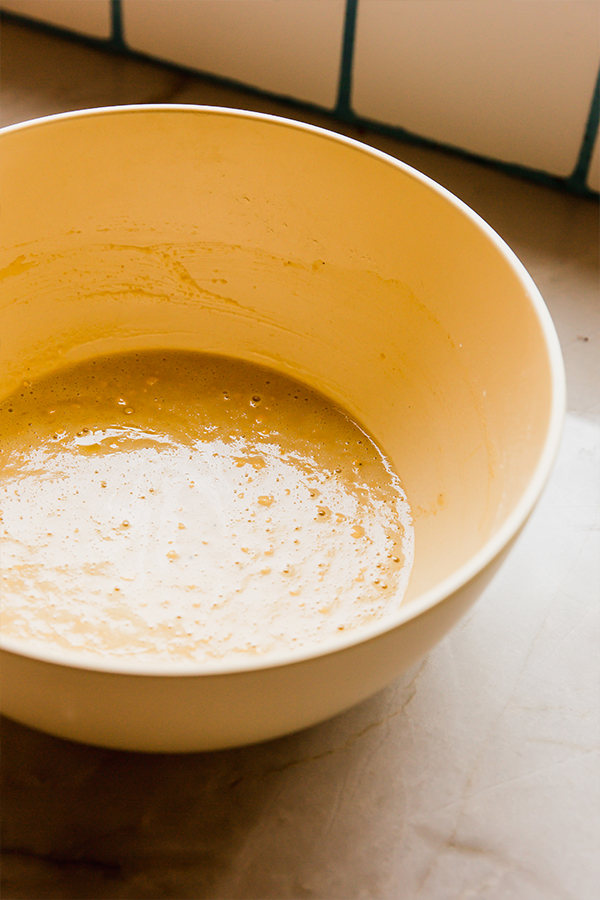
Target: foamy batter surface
[[185, 506]]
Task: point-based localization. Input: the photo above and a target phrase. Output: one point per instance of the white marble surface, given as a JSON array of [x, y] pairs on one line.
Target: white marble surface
[[476, 774]]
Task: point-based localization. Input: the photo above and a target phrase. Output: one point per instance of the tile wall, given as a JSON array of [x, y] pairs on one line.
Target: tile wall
[[514, 81], [93, 19]]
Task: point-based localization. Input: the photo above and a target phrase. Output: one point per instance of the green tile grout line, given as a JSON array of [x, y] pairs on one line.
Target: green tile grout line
[[116, 18], [343, 109], [578, 180], [575, 183]]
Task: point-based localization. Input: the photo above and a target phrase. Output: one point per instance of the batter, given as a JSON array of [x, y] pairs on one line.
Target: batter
[[177, 505]]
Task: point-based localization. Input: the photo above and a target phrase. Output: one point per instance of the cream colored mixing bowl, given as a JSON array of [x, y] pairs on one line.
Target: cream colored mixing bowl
[[280, 243]]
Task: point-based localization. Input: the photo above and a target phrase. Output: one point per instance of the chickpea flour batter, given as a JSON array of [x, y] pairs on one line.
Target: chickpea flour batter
[[177, 505]]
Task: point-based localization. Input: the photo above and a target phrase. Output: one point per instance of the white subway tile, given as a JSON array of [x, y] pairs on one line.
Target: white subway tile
[[90, 17], [288, 47], [593, 179], [507, 79]]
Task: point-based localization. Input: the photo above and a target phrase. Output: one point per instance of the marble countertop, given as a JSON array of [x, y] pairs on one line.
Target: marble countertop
[[476, 774]]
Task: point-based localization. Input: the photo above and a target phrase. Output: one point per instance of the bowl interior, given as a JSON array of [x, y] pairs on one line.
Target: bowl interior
[[259, 238]]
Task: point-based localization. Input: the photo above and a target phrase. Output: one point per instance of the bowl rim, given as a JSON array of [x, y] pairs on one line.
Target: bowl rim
[[429, 599]]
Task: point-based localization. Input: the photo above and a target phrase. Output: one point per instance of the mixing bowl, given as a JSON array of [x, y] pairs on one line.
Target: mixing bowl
[[279, 243]]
